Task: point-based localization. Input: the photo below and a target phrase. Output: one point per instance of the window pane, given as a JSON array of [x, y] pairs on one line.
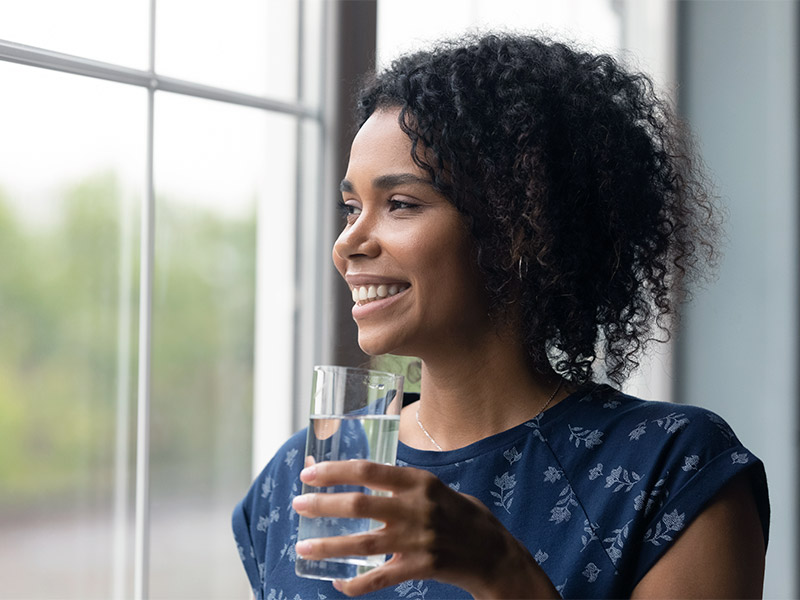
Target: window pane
[[246, 45], [216, 167], [115, 32], [69, 189]]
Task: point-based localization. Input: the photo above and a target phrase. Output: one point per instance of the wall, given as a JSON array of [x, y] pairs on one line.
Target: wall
[[738, 353]]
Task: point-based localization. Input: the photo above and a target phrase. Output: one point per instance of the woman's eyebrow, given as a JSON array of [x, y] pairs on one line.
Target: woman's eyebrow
[[392, 180], [387, 181]]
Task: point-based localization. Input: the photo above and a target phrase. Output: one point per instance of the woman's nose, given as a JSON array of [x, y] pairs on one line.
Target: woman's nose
[[358, 240]]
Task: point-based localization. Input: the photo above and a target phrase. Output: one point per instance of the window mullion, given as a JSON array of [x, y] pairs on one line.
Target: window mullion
[[76, 65], [141, 563]]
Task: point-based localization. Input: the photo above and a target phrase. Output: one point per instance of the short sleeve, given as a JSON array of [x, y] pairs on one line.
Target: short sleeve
[[641, 472], [702, 457]]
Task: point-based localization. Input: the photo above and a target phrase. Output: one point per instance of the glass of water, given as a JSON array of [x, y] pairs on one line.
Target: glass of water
[[355, 413]]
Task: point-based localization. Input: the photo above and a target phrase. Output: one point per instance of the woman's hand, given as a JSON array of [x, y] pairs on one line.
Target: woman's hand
[[432, 532]]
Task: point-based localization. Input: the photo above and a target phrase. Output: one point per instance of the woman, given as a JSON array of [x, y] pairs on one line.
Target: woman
[[515, 210]]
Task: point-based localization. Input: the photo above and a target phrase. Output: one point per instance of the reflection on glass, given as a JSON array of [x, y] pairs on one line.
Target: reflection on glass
[[214, 165], [246, 45], [68, 318], [114, 32]]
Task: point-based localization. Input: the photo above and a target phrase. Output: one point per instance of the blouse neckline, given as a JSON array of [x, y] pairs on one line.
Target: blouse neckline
[[432, 458]]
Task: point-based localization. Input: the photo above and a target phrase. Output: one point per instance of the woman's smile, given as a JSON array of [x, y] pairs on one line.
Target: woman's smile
[[367, 288], [372, 293], [370, 302]]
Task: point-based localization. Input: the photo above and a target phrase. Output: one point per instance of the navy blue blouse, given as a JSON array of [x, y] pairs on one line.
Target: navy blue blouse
[[597, 488]]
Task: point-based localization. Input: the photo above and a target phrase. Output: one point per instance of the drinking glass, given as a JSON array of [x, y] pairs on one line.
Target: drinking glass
[[355, 414]]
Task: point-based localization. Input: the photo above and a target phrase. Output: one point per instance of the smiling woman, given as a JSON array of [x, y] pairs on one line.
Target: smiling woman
[[533, 208]]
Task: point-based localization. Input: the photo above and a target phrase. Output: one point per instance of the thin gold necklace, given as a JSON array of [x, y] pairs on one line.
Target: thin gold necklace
[[541, 410]]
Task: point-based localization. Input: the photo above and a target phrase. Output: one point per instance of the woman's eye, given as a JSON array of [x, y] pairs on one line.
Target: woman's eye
[[349, 212], [396, 204]]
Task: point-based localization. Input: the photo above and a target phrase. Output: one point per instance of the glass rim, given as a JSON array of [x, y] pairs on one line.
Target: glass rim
[[358, 371]]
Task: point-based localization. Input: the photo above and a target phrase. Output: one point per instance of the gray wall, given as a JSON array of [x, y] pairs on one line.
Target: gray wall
[[738, 351]]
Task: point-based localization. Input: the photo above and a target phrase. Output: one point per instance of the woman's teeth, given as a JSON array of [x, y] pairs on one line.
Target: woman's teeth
[[367, 293]]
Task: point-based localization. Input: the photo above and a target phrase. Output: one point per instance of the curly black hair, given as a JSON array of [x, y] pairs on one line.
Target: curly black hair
[[587, 205]]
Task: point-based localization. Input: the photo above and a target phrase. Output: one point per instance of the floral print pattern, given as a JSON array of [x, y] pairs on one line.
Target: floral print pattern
[[561, 511], [590, 536], [638, 431], [673, 422], [512, 456], [506, 484], [290, 456], [590, 438], [648, 500], [620, 479], [690, 463], [616, 542], [411, 589], [740, 458], [552, 474], [591, 572], [670, 523]]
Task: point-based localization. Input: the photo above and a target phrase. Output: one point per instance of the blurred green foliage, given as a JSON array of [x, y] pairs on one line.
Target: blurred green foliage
[[69, 285], [407, 366]]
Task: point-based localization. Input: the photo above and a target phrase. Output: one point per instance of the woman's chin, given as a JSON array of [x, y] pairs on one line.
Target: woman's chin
[[372, 349], [376, 345]]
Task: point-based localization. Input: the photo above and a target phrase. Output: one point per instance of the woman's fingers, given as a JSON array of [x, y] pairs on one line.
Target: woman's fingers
[[352, 505], [371, 543], [398, 569], [423, 528], [423, 524], [361, 472]]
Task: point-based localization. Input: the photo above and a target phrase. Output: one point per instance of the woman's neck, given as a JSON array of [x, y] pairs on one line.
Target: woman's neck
[[479, 391]]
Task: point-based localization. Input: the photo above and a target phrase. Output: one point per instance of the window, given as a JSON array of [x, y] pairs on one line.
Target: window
[[153, 168]]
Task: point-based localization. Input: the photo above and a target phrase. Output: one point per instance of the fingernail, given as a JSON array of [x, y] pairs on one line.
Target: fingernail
[[337, 584], [308, 473], [300, 502], [303, 548]]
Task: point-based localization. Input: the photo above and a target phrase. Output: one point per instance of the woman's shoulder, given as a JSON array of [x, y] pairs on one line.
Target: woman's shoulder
[[264, 519], [281, 471], [626, 444], [612, 416], [289, 457], [277, 481], [643, 470]]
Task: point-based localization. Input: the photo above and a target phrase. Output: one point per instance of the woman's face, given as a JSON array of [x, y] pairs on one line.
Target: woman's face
[[405, 251]]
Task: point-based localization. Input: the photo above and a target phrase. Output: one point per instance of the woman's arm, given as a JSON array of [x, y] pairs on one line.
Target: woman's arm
[[719, 555]]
